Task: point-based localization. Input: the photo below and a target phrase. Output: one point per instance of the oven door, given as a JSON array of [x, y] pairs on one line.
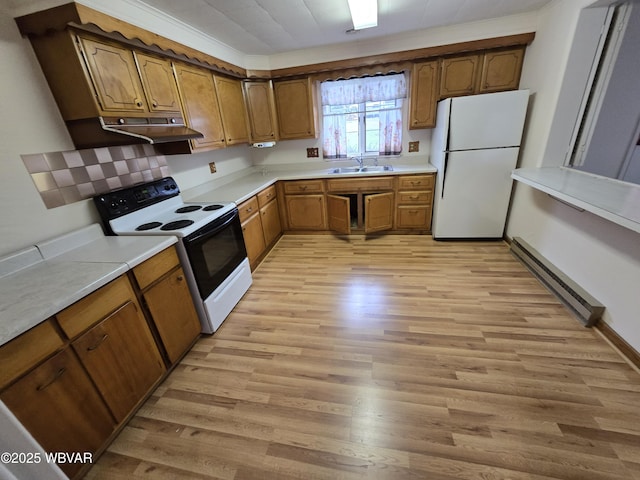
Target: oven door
[[215, 251]]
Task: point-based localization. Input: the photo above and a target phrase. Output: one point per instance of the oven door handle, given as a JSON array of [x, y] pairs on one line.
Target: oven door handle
[[214, 227]]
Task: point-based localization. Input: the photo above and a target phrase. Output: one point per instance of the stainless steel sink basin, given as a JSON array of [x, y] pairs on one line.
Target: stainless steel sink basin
[[365, 169]]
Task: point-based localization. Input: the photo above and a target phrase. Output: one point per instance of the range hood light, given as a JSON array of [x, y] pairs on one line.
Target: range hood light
[[263, 144], [364, 13]]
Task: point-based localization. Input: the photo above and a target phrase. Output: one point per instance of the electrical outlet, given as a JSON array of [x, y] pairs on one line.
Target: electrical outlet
[[312, 152], [414, 146], [212, 167]]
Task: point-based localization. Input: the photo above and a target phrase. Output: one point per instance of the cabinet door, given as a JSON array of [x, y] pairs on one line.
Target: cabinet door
[[173, 313], [122, 359], [295, 105], [306, 212], [114, 76], [59, 406], [261, 108], [200, 104], [501, 70], [413, 217], [232, 110], [459, 76], [424, 95], [253, 238], [271, 227], [338, 212], [159, 84], [378, 212]]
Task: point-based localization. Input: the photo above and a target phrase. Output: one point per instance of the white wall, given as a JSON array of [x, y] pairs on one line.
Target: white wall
[[602, 257]]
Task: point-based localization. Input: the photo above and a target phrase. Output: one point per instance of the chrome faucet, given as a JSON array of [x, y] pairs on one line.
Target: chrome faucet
[[359, 160]]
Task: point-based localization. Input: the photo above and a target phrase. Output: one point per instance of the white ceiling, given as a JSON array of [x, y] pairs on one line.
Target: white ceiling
[[268, 27]]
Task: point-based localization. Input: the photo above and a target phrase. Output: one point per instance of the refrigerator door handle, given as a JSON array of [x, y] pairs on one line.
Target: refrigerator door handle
[[444, 173]]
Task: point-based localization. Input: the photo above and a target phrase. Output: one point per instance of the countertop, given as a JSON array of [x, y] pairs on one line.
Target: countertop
[[39, 281], [247, 183]]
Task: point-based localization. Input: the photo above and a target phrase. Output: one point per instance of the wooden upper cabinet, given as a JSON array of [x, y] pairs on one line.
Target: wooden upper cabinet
[[114, 76], [261, 109], [295, 106], [501, 70], [232, 110], [201, 108], [158, 83], [459, 75], [424, 95]]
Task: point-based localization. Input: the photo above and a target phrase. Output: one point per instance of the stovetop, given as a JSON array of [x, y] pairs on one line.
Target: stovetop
[[156, 208]]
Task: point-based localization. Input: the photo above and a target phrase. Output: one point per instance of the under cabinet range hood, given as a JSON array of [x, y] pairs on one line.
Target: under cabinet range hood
[[101, 131]]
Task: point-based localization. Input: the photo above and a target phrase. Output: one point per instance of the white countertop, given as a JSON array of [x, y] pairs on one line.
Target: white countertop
[[247, 183], [608, 198], [45, 279]]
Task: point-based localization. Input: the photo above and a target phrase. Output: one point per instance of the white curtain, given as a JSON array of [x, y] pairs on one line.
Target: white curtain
[[366, 89], [357, 91]]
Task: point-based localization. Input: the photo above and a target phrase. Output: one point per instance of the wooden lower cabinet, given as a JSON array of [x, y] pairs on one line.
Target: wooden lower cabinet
[[168, 301], [306, 212], [362, 204], [59, 405], [271, 226], [414, 201], [261, 227], [121, 358], [73, 381], [174, 316], [253, 238]]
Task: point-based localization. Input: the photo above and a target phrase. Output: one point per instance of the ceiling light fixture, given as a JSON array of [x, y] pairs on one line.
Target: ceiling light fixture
[[364, 13]]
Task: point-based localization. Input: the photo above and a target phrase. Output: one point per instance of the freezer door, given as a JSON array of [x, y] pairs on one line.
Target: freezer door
[[492, 120], [473, 196]]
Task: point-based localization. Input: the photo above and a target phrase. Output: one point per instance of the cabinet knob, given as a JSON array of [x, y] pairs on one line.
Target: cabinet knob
[[180, 278], [155, 104]]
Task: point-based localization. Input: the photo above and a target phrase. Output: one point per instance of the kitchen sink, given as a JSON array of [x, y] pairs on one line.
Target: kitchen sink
[[365, 169]]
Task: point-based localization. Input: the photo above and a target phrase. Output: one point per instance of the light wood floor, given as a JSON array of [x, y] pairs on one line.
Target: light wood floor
[[390, 358]]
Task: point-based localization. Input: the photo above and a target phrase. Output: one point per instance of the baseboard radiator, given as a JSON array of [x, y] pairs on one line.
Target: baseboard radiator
[[586, 308]]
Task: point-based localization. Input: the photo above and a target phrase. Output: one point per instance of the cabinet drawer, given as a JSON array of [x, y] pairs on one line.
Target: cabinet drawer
[[303, 186], [81, 315], [416, 182], [248, 208], [27, 350], [266, 195], [360, 184], [415, 197], [408, 216], [155, 267]]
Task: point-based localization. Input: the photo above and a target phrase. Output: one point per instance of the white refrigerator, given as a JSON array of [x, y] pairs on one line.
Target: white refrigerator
[[475, 146]]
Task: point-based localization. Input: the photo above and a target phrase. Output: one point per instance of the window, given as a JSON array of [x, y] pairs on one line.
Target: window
[[362, 116], [606, 136]]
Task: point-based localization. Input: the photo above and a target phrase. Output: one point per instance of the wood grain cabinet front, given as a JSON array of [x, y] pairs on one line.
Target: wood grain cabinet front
[[296, 110], [414, 201], [201, 108], [169, 303], [261, 110], [424, 94], [60, 407], [232, 110], [261, 227], [121, 358], [158, 83]]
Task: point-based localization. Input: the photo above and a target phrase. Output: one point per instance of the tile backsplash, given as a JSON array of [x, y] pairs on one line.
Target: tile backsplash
[[66, 177]]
